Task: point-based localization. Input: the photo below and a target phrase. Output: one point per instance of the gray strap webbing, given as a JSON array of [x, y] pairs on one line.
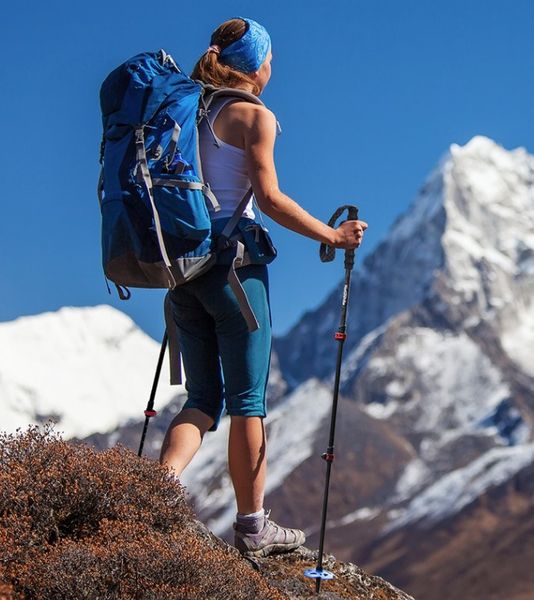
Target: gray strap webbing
[[174, 141], [238, 213], [240, 260], [237, 288], [144, 175], [211, 115], [212, 92], [210, 127], [175, 363], [206, 190], [190, 185]]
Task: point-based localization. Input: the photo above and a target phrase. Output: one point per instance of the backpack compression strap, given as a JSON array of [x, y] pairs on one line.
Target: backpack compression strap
[[143, 176]]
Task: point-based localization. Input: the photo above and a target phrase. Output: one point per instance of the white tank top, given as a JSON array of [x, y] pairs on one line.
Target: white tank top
[[223, 167]]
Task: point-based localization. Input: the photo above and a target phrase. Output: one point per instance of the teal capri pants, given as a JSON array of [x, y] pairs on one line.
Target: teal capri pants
[[224, 363]]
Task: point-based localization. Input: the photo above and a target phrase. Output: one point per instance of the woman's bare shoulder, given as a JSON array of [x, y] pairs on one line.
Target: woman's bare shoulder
[[250, 114]]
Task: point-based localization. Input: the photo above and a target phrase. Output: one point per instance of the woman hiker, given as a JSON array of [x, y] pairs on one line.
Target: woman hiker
[[236, 147]]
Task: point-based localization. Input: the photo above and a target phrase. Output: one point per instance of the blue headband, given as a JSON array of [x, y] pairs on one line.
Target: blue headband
[[248, 53]]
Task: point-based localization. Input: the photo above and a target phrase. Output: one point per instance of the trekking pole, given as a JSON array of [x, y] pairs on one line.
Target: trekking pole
[[327, 254], [149, 411]]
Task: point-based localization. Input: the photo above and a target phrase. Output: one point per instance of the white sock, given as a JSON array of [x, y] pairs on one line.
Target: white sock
[[252, 516]]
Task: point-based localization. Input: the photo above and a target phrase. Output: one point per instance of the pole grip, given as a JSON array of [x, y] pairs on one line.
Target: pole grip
[[328, 253]]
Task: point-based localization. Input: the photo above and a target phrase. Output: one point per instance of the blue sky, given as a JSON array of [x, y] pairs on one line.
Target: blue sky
[[369, 96]]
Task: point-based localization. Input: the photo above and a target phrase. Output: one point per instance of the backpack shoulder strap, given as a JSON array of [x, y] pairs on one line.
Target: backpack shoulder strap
[[211, 93]]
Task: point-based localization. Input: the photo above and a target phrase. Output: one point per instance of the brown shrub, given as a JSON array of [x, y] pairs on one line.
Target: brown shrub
[[77, 523]]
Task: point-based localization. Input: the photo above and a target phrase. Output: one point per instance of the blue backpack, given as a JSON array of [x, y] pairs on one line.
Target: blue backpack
[[156, 228]]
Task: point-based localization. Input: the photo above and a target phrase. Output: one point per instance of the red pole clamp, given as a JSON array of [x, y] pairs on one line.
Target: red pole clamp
[[328, 457], [340, 336], [151, 413]]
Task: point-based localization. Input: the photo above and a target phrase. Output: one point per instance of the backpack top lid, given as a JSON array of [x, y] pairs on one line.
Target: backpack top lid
[[134, 91], [142, 91]]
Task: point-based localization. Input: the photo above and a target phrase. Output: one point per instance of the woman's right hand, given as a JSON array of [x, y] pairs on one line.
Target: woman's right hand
[[349, 234]]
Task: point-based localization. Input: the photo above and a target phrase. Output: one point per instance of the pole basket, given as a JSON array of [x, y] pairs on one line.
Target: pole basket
[[319, 574]]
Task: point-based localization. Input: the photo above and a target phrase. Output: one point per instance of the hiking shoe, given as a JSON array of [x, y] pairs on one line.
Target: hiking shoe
[[271, 539]]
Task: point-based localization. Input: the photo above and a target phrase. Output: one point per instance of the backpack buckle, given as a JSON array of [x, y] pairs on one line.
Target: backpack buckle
[[223, 243]]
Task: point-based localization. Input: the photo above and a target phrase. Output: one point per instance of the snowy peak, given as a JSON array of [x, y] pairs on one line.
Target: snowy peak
[[488, 239], [489, 201], [468, 237], [73, 325], [88, 368], [483, 189], [482, 153], [466, 245]]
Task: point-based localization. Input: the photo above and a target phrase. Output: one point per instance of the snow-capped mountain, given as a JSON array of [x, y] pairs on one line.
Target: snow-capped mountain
[[90, 369], [469, 233], [450, 369]]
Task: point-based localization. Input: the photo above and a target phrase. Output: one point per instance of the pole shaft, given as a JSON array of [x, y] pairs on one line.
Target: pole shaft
[[150, 405], [330, 450], [143, 435]]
